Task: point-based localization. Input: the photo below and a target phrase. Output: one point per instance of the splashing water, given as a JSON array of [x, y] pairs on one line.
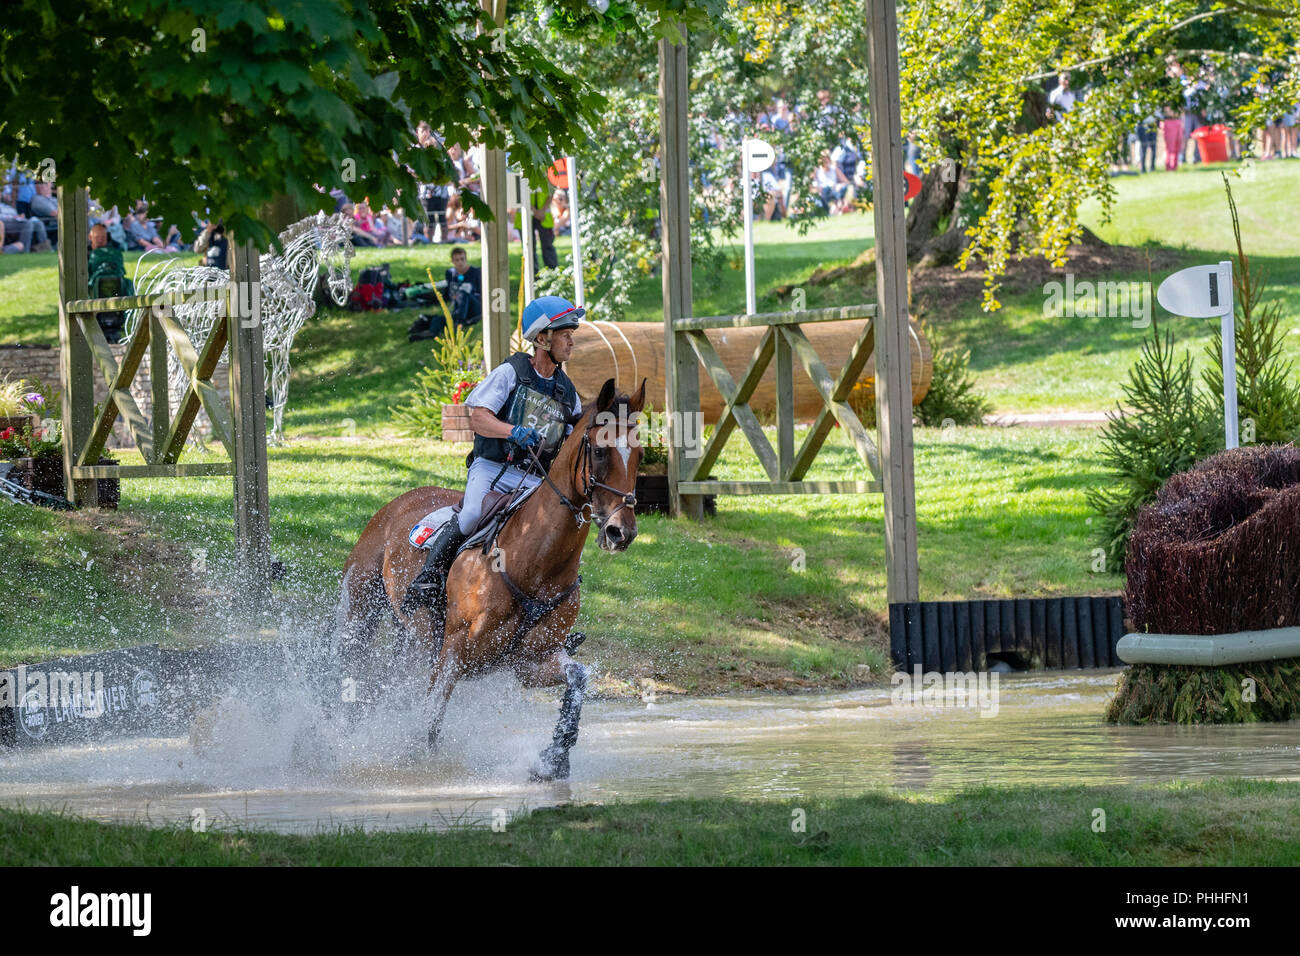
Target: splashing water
[[275, 752]]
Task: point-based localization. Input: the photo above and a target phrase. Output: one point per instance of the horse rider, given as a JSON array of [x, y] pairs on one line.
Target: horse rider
[[522, 404]]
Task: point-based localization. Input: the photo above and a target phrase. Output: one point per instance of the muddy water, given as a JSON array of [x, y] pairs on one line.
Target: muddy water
[[300, 771]]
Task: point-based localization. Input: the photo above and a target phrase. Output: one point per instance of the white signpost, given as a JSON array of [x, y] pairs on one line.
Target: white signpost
[[1203, 292], [519, 199], [579, 298], [755, 157]]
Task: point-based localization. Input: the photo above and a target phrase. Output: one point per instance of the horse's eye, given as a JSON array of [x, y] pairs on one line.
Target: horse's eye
[[601, 453]]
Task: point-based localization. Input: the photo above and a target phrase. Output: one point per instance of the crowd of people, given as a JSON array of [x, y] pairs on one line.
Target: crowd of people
[[450, 218], [1179, 131], [834, 184]]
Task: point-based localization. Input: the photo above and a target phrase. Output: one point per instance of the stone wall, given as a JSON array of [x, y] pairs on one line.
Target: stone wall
[[42, 362]]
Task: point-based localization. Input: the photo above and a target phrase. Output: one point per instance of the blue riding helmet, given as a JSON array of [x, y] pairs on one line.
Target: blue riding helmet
[[550, 313]]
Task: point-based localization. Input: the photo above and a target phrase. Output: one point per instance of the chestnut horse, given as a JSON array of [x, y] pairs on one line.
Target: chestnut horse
[[515, 606]]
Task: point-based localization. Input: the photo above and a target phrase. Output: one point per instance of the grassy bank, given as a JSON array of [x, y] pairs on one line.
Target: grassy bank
[[357, 367], [1219, 823], [714, 606]]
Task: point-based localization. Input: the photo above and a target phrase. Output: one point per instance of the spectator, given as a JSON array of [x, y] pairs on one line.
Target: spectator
[[143, 234], [433, 195], [467, 176], [783, 121], [543, 226], [831, 186], [1062, 99], [1171, 127], [464, 289], [107, 277], [368, 226], [828, 114], [44, 204], [22, 231], [1146, 133], [24, 190], [560, 213], [213, 245]]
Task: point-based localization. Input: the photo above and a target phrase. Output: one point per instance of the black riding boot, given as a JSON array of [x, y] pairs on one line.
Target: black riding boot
[[430, 585]]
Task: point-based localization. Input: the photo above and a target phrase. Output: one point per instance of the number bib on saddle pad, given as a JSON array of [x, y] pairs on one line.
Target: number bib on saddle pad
[[534, 409], [427, 527]]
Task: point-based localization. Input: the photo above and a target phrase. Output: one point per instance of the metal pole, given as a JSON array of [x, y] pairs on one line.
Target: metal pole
[[1228, 325], [751, 305], [579, 295], [525, 199]]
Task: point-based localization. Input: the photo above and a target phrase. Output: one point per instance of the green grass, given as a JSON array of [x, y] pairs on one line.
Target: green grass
[[999, 512], [1028, 362], [706, 606], [1217, 823]]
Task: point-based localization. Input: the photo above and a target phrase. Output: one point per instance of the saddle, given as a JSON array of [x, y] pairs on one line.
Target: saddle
[[498, 506]]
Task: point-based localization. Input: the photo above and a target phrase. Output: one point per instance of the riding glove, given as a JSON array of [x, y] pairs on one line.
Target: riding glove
[[525, 437]]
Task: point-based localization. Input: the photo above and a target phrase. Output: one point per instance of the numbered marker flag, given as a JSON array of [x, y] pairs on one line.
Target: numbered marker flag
[[558, 174], [1200, 292], [913, 185], [761, 155]]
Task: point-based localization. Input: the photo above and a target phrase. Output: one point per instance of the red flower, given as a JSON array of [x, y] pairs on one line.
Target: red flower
[[7, 434]]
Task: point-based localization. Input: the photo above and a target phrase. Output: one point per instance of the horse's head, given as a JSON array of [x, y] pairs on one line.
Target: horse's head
[[336, 253], [614, 452]]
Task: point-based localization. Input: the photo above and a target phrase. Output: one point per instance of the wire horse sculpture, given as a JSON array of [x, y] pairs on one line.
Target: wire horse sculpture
[[287, 292]]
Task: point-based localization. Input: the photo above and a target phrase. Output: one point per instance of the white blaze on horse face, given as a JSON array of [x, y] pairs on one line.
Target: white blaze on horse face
[[624, 450]]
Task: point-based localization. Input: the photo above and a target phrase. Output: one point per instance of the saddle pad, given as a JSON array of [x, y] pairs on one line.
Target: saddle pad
[[487, 528], [427, 527]]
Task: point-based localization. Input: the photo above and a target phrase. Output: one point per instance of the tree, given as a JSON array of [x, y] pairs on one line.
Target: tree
[[250, 101]]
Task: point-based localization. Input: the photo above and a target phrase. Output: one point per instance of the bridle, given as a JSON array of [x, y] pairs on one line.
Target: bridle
[[583, 468]]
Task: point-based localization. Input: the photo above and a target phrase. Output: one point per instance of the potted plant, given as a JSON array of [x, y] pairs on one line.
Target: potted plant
[[652, 495], [37, 453], [455, 415], [437, 411], [16, 410]]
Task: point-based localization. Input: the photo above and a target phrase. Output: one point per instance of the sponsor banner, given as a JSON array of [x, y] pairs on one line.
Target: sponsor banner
[[88, 697]]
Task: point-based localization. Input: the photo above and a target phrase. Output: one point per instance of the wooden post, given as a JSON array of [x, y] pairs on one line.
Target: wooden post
[[893, 342], [681, 367], [496, 239], [248, 422], [76, 367], [158, 371]]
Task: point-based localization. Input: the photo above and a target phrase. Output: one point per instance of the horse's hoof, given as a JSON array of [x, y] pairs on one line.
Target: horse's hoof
[[553, 765]]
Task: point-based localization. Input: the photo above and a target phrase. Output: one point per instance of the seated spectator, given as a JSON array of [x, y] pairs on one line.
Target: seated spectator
[[213, 245], [142, 234], [464, 289], [369, 225], [461, 226], [394, 220], [359, 238], [107, 278], [25, 190], [23, 231], [45, 207], [831, 186]]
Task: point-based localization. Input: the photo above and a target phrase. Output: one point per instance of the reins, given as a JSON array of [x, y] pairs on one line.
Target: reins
[[533, 609], [585, 513]]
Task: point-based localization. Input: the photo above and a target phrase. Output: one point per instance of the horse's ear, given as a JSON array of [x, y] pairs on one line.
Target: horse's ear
[[637, 401], [606, 397]]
